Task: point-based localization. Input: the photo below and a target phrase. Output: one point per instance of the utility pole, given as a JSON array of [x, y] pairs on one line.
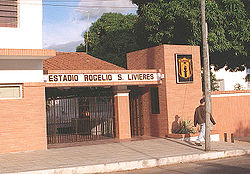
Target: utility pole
[[87, 37], [206, 73], [87, 32]]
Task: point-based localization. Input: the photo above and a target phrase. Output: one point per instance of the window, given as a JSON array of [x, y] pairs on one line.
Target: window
[[155, 101], [10, 91], [8, 13], [220, 84]]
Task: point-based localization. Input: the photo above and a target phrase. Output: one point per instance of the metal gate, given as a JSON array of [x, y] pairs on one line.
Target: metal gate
[[136, 117], [74, 119]]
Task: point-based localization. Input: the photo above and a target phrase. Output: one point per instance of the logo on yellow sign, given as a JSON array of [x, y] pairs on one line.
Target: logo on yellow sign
[[185, 68]]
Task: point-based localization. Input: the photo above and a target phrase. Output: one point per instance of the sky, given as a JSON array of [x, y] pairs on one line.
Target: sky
[[64, 21]]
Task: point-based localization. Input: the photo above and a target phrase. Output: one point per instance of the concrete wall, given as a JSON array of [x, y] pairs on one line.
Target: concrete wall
[[175, 99], [23, 121], [28, 34], [231, 111]]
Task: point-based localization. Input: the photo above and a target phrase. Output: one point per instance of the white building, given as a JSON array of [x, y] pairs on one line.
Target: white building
[[22, 88], [228, 81], [21, 52], [21, 24]]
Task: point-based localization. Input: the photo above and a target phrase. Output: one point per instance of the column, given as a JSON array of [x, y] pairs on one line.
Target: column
[[122, 113]]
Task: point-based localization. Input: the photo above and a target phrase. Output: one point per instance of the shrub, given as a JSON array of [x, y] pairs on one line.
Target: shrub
[[185, 127]]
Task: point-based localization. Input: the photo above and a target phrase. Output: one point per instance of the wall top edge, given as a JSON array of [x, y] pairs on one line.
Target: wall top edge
[[27, 53], [165, 46], [229, 92], [100, 71]]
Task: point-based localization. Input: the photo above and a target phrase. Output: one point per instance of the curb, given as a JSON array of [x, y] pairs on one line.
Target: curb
[[140, 164]]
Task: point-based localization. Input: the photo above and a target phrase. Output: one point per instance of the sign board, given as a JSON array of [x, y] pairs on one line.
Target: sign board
[[125, 77], [184, 68]]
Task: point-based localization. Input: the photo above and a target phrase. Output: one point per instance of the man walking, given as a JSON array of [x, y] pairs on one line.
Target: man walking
[[200, 118]]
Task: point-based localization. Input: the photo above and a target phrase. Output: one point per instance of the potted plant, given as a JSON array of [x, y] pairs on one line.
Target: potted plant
[[185, 127], [183, 130]]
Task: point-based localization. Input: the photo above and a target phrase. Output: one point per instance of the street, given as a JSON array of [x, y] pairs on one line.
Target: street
[[235, 165]]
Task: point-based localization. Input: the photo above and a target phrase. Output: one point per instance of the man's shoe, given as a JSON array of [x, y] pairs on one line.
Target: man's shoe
[[198, 144]]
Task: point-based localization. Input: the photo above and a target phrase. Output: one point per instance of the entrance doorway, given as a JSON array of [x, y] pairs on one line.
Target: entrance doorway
[[136, 117], [74, 117]]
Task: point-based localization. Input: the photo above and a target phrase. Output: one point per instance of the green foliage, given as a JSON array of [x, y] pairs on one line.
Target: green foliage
[[111, 37], [247, 78], [214, 86], [178, 22], [185, 127], [80, 48]]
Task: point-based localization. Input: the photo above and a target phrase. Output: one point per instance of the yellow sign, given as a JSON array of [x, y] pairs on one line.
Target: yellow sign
[[184, 68]]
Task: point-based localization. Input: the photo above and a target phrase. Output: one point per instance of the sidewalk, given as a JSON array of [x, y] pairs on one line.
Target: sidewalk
[[115, 156]]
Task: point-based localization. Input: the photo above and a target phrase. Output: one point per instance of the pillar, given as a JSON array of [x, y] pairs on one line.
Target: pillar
[[122, 113]]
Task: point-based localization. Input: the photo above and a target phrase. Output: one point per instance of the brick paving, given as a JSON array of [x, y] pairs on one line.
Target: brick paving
[[106, 153]]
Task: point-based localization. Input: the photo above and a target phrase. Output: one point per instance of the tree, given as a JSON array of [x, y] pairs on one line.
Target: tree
[[213, 84], [178, 22], [81, 48], [111, 37]]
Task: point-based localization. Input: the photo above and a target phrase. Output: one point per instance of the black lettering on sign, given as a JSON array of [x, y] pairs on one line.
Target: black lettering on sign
[[76, 78], [55, 78], [70, 78], [65, 78], [86, 78], [100, 77], [94, 77], [50, 78], [109, 77], [140, 77], [129, 78], [133, 76], [119, 77], [60, 77], [152, 76], [90, 78]]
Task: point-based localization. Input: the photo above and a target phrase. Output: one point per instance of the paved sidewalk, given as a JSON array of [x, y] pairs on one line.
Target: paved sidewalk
[[115, 156]]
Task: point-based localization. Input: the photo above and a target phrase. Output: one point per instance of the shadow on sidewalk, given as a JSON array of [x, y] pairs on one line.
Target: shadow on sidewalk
[[185, 143], [244, 139], [138, 151]]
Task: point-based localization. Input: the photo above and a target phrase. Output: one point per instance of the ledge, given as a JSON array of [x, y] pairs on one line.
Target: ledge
[[181, 136], [26, 53]]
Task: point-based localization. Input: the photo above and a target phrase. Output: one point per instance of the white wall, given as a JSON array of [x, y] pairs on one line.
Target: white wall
[[21, 76], [231, 78], [20, 71], [28, 34]]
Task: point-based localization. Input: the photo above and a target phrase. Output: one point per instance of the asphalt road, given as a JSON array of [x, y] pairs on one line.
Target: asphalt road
[[235, 165]]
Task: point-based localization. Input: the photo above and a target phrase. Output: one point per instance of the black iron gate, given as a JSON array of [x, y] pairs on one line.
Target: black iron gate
[[74, 119], [136, 117]]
